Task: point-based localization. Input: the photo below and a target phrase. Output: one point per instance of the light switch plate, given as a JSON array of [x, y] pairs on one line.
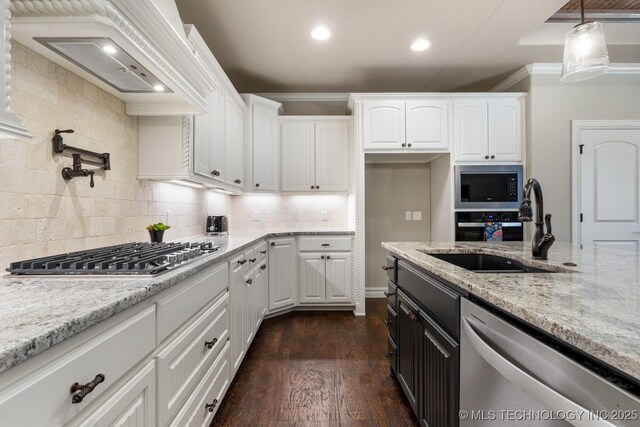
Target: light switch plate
[[169, 218], [407, 216], [417, 215], [324, 215], [256, 216]]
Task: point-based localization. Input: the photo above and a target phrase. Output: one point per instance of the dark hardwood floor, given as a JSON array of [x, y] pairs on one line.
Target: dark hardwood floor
[[317, 369]]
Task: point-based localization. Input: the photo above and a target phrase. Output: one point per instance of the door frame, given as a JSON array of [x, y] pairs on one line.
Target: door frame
[[578, 126]]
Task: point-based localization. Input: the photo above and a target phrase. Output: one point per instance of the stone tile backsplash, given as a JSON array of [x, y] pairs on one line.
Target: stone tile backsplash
[[41, 214]]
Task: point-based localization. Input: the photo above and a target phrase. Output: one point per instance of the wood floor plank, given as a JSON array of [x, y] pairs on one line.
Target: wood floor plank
[[317, 369]]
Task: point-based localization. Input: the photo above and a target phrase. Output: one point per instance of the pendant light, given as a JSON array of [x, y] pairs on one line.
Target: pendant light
[[585, 51]]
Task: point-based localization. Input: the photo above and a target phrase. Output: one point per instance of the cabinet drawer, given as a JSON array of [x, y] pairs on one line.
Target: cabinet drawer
[[392, 295], [392, 322], [133, 404], [182, 363], [260, 251], [439, 300], [209, 391], [325, 244], [44, 397], [180, 306]]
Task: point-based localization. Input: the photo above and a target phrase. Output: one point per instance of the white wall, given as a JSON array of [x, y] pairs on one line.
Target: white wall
[[551, 105], [391, 190]]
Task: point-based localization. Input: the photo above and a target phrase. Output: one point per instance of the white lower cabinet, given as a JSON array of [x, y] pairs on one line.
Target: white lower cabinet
[[339, 275], [312, 278], [132, 405], [237, 292], [283, 273]]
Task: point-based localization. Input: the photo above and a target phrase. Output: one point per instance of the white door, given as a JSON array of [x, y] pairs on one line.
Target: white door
[[265, 148], [312, 282], [338, 274], [298, 157], [471, 136], [610, 187], [202, 140], [505, 130], [218, 137], [234, 129], [283, 273], [383, 125], [237, 292], [428, 125], [332, 156]]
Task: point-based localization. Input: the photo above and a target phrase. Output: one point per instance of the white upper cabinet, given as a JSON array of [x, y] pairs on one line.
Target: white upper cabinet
[[411, 125], [262, 134], [315, 154], [428, 125], [234, 128], [383, 125], [298, 156], [209, 138], [489, 130]]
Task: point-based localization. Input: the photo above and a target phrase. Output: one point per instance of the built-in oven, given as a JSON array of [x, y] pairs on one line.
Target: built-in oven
[[488, 187], [482, 226]]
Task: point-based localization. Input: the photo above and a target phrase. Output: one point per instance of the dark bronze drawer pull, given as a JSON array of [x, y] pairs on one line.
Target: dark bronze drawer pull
[[81, 391], [388, 354], [263, 252], [385, 268], [238, 181], [211, 406], [253, 259], [326, 244], [387, 294], [210, 344], [242, 261], [263, 267], [387, 322], [249, 282], [413, 316]]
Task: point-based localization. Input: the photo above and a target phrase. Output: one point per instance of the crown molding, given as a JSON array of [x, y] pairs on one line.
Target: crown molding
[[308, 97], [552, 68]]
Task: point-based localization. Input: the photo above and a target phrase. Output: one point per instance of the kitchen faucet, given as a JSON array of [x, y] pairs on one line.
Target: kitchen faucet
[[541, 241]]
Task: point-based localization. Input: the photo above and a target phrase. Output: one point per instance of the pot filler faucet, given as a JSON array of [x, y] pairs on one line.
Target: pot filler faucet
[[541, 241]]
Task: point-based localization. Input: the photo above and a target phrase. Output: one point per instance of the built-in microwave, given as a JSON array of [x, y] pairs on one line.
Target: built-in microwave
[[488, 187]]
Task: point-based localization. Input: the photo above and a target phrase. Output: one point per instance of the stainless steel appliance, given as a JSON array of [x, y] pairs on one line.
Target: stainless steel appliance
[[217, 225], [470, 226], [129, 258], [511, 377], [488, 187]]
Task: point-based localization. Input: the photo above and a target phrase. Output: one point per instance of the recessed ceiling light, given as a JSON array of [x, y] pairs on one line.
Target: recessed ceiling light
[[109, 48], [321, 33], [420, 44], [158, 88]]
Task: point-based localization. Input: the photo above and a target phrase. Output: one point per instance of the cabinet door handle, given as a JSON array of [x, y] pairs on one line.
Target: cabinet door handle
[[238, 181], [409, 145], [328, 256], [210, 344], [263, 252], [388, 354], [413, 316], [215, 173], [312, 187], [253, 259], [386, 268], [242, 261], [404, 144], [257, 184], [326, 244], [387, 294], [321, 256], [249, 282], [486, 157], [263, 267], [317, 187], [211, 406], [493, 157], [387, 322], [81, 391]]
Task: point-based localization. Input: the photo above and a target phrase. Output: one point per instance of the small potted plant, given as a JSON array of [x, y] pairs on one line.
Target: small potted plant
[[156, 231]]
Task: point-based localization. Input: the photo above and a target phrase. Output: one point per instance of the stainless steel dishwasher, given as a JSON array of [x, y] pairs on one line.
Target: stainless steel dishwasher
[[509, 378]]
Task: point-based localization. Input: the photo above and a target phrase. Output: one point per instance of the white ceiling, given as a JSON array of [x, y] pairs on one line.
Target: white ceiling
[[264, 45]]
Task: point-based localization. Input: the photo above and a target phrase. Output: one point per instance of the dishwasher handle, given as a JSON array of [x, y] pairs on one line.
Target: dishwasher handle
[[529, 384]]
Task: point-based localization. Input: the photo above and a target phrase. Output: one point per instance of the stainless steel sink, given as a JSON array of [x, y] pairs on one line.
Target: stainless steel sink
[[482, 263]]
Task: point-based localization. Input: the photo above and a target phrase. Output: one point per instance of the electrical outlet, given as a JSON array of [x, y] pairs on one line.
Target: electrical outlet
[[417, 215], [324, 215], [407, 216], [169, 218], [256, 216]]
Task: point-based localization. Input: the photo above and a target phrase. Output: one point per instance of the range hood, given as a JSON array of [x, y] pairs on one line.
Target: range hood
[[127, 48]]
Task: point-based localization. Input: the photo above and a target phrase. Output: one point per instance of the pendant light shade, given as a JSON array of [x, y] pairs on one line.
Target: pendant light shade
[[585, 53]]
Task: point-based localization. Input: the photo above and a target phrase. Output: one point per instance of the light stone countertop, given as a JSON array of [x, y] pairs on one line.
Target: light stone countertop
[[594, 307], [38, 312]]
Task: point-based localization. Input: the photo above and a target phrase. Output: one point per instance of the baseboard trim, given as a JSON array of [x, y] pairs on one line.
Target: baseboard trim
[[377, 292]]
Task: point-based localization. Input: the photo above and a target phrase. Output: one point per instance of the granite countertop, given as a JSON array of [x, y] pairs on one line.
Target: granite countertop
[[38, 312], [594, 307]]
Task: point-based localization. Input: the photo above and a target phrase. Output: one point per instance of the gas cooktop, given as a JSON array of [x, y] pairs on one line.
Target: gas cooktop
[[130, 258]]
